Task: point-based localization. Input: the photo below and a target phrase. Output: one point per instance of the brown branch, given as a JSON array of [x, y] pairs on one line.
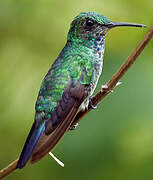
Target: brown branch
[[9, 169], [102, 93]]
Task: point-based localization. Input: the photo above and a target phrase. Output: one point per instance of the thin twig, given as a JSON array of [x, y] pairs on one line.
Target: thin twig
[[9, 169], [103, 92]]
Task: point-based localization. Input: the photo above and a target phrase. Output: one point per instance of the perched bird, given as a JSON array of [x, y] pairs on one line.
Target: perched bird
[[69, 84]]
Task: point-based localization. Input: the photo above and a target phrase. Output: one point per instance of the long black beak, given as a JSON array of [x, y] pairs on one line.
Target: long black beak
[[115, 24]]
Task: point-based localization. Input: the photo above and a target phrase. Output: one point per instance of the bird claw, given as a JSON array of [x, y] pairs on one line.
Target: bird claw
[[74, 127], [91, 104]]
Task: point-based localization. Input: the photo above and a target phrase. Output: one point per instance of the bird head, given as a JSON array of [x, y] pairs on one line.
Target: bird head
[[89, 26]]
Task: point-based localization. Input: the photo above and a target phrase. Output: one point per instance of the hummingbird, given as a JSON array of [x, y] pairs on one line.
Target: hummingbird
[[69, 84]]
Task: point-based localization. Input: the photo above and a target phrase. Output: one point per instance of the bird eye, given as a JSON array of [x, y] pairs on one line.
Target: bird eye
[[89, 22]]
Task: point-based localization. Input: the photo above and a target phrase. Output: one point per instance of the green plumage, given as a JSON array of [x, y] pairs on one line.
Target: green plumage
[[66, 66], [79, 54], [69, 83]]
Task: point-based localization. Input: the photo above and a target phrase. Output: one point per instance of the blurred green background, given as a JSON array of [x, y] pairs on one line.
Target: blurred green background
[[113, 142]]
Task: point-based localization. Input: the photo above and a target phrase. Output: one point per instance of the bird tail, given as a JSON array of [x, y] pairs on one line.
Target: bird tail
[[31, 142]]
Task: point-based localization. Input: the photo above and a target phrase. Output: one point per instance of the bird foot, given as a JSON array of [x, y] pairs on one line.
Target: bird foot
[[91, 104], [74, 127]]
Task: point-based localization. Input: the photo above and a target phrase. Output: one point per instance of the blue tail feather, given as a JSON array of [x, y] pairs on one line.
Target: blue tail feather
[[31, 142]]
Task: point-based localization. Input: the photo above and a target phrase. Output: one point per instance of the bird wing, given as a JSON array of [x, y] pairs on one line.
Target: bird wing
[[63, 115], [63, 90]]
